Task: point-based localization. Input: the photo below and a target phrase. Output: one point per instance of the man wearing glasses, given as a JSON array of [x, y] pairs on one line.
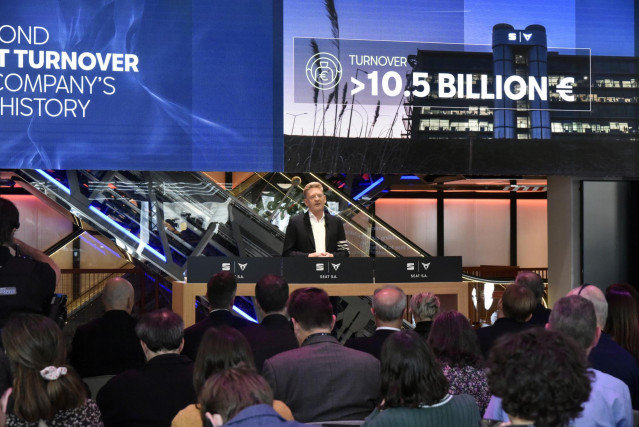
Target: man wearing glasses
[[315, 233]]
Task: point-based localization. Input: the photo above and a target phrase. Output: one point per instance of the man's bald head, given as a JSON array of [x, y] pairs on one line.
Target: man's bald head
[[598, 300], [389, 303], [118, 295]]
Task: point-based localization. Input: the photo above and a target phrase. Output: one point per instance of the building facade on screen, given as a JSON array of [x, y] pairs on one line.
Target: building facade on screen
[[523, 90]]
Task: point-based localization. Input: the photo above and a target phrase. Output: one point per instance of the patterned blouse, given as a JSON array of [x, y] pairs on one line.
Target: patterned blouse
[[470, 380], [87, 415]]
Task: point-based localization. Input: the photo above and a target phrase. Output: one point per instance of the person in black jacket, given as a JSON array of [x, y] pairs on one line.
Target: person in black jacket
[[27, 276], [108, 345], [154, 393], [315, 233]]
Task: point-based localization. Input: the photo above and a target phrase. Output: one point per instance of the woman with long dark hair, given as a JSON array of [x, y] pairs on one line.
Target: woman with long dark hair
[[46, 391], [415, 390], [456, 346], [220, 349], [622, 323]]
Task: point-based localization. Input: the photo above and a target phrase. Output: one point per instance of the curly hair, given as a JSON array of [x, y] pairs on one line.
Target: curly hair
[[453, 340], [411, 376], [541, 376]]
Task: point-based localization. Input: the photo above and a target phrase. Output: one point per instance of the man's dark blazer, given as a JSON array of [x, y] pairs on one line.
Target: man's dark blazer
[[540, 315], [299, 240], [423, 327], [371, 345], [273, 336], [488, 335], [610, 358], [107, 345], [193, 334], [325, 381], [148, 396]]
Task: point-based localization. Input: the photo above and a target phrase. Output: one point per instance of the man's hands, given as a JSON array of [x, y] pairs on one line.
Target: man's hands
[[320, 255]]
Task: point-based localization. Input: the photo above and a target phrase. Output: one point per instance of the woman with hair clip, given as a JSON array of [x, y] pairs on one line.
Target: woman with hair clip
[[46, 391], [220, 348], [415, 390]]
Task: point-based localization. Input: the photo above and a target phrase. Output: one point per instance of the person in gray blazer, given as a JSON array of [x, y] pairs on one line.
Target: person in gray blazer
[[322, 380]]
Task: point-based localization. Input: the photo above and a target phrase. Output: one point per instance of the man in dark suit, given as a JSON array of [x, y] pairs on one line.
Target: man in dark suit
[[533, 281], [108, 345], [153, 394], [220, 291], [275, 333], [315, 233], [389, 308], [517, 305], [322, 380]]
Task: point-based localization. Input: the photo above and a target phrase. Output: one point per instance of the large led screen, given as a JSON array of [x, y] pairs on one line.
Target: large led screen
[[146, 85], [461, 86]]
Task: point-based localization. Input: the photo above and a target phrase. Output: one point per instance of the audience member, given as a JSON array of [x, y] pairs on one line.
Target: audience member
[[628, 288], [454, 343], [608, 356], [517, 305], [27, 276], [541, 377], [221, 348], [108, 345], [239, 397], [534, 282], [45, 390], [609, 400], [220, 291], [4, 403], [622, 323], [389, 307], [275, 333], [322, 380], [423, 306], [152, 394], [414, 389]]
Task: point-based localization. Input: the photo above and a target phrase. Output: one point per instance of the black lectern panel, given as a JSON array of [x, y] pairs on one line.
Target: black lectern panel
[[404, 270], [246, 270], [328, 270]]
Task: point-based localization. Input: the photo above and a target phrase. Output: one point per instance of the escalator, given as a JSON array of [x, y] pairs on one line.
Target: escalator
[[163, 218]]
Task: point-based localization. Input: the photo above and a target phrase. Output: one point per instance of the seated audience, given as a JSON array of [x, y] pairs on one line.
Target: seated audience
[[389, 305], [541, 377], [239, 397], [220, 292], [414, 389], [622, 323], [27, 276], [423, 306], [455, 345], [220, 348], [152, 394], [321, 380], [108, 345], [517, 304], [609, 400], [534, 282], [274, 334], [608, 356], [45, 390]]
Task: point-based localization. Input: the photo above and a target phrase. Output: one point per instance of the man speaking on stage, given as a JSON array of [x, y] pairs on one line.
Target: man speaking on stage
[[315, 233]]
